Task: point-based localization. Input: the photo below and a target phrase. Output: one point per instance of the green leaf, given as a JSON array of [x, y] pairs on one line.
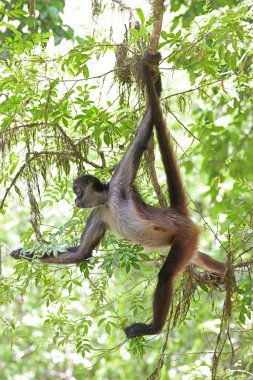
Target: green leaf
[[108, 328], [134, 33], [107, 138], [242, 318], [164, 35], [209, 41], [233, 62], [140, 14], [101, 321], [221, 51], [18, 4], [210, 70], [13, 167], [9, 26], [85, 71], [136, 265], [203, 287], [227, 56]]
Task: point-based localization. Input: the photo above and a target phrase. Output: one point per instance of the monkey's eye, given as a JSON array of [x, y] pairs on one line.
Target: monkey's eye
[[78, 192]]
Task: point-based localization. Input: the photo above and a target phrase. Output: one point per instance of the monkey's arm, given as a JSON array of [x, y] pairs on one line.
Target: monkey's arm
[[91, 237], [127, 168], [177, 194]]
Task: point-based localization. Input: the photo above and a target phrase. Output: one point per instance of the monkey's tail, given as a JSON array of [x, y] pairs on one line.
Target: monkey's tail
[[175, 186]]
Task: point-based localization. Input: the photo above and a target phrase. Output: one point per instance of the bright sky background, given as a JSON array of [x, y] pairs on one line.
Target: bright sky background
[[78, 15]]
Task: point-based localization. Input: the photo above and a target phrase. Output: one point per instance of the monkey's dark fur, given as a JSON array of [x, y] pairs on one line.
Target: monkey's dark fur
[[119, 207]]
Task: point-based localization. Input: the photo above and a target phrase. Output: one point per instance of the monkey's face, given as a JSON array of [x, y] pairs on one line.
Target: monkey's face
[[90, 192], [87, 196], [84, 198]]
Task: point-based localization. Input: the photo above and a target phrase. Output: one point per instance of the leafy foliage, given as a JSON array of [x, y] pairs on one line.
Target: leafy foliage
[[60, 116], [35, 16]]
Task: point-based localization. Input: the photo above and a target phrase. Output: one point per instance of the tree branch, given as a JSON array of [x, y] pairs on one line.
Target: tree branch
[[244, 264], [35, 155], [157, 7]]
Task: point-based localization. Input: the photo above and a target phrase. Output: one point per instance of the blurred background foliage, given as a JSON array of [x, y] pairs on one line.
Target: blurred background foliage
[[70, 108]]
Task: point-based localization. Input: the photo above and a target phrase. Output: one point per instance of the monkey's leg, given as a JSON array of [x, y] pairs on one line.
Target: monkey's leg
[[179, 257]]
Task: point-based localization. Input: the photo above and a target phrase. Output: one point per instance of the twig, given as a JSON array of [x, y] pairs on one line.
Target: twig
[[124, 7], [35, 155], [75, 80], [187, 129], [244, 264], [199, 87]]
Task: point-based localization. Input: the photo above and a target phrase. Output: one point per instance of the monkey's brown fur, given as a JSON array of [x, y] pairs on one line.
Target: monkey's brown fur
[[119, 207]]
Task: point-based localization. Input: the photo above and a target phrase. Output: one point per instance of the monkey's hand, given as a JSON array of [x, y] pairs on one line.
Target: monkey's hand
[[18, 254]]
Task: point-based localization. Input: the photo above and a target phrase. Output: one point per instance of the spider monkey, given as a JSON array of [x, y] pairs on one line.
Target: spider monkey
[[119, 207]]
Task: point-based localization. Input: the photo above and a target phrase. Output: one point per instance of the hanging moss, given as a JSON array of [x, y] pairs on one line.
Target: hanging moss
[[123, 65]]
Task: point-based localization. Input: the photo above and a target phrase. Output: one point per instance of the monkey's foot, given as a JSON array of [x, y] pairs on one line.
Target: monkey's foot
[[18, 254], [140, 329]]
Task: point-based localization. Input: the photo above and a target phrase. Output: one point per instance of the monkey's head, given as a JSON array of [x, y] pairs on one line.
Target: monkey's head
[[90, 191]]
